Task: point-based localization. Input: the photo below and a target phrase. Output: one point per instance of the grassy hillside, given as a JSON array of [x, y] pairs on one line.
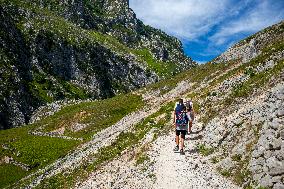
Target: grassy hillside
[[38, 151]]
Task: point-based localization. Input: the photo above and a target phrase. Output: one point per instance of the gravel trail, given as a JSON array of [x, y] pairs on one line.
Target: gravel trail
[[106, 136], [192, 170], [171, 170]]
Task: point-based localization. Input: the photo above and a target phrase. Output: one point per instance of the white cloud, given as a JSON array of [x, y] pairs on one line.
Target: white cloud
[[261, 16], [190, 19], [201, 62], [213, 25], [186, 19]]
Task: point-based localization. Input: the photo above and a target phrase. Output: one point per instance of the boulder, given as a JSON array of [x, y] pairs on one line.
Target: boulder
[[226, 163], [266, 181], [278, 186]]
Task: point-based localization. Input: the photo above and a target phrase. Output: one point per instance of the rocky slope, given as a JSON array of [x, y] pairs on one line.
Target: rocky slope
[[54, 50], [248, 131]]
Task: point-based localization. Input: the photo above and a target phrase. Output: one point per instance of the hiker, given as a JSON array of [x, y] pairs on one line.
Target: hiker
[[180, 122], [190, 110]]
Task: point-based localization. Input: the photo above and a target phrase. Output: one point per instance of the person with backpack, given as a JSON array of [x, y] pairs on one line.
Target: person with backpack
[[180, 122], [190, 110]]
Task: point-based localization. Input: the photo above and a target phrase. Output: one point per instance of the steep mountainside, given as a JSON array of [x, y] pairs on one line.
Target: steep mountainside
[[125, 141], [55, 50]]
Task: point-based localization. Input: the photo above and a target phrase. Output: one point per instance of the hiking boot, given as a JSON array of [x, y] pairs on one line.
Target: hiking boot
[[182, 152], [176, 148]]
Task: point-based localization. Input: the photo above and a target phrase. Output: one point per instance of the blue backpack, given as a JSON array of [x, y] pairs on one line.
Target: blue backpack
[[181, 117]]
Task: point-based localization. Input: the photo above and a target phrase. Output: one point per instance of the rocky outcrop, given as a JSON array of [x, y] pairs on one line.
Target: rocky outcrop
[[55, 50], [114, 17], [267, 157]]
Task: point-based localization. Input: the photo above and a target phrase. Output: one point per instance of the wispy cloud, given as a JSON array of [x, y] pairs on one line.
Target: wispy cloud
[[262, 15], [201, 62], [182, 18], [207, 27]]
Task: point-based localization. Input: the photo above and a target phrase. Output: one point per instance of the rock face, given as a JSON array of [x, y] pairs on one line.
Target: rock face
[[54, 50], [254, 134]]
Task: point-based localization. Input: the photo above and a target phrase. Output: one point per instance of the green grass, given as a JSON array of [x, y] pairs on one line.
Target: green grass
[[35, 151], [105, 154], [204, 150], [142, 158], [39, 151], [10, 174], [164, 69], [109, 152], [224, 172], [215, 159], [195, 75], [97, 115], [237, 157]]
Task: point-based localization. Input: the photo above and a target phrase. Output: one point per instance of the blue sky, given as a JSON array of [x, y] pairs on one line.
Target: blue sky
[[208, 27]]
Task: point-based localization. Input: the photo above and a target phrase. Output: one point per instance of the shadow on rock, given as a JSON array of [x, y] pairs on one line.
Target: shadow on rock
[[192, 151], [199, 137]]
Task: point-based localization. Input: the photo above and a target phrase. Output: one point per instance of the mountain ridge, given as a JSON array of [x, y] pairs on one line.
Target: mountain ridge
[[56, 50]]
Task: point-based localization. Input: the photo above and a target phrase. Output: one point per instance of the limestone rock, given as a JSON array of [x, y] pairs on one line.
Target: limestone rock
[[266, 181], [278, 186]]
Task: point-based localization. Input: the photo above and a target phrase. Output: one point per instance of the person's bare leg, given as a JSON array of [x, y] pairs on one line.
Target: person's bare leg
[[181, 142], [177, 144], [177, 140]]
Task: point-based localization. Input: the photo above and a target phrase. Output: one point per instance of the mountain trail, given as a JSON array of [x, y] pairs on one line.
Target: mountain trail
[[106, 136], [192, 170], [169, 169], [166, 169]]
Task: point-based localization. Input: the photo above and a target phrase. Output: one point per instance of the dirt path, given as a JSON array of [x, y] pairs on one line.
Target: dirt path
[[106, 136], [191, 170], [169, 169]]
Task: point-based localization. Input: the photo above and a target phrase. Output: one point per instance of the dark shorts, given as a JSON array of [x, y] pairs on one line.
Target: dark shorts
[[181, 132]]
